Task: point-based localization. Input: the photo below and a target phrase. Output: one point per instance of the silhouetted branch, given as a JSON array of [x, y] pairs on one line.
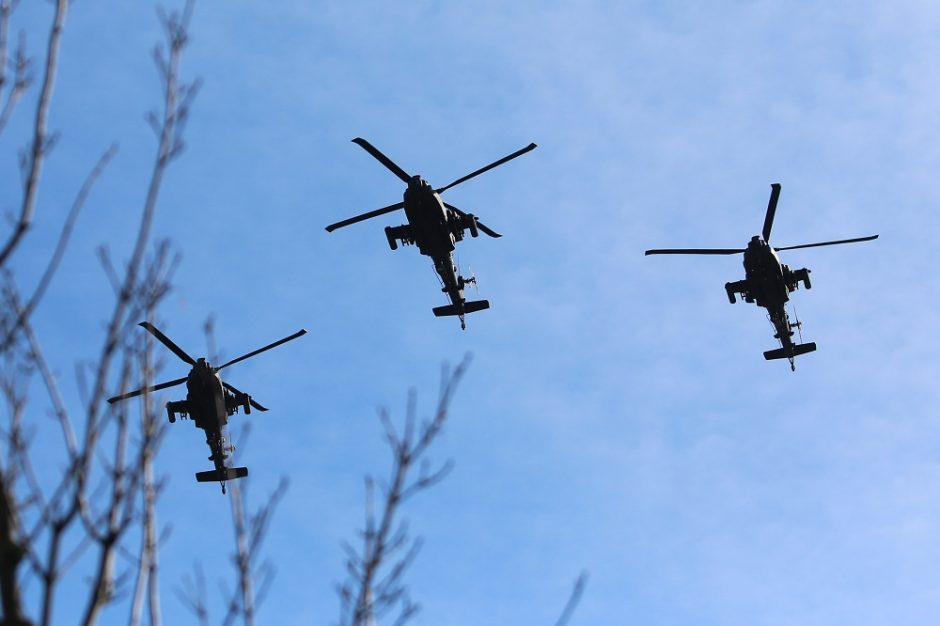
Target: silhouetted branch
[[175, 108], [250, 531], [252, 578], [107, 485], [59, 252], [573, 599], [6, 9], [147, 585], [40, 142], [375, 574], [11, 554], [193, 595], [21, 75]]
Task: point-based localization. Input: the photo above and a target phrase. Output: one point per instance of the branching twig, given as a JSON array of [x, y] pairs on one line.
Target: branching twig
[[22, 78], [147, 581], [374, 582], [193, 595], [59, 252], [573, 599], [250, 531], [40, 141], [124, 471]]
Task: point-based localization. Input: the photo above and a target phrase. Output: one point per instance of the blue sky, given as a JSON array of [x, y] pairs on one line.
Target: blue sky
[[618, 416]]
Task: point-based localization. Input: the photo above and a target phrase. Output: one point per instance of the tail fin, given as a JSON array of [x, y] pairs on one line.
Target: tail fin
[[798, 349], [468, 307], [229, 473]]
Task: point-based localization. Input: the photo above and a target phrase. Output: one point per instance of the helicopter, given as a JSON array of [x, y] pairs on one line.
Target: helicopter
[[209, 402], [435, 227], [768, 282]]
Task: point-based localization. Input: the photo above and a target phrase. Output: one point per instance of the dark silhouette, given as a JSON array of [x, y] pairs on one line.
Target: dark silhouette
[[434, 226], [375, 586], [767, 281], [375, 571], [209, 401]]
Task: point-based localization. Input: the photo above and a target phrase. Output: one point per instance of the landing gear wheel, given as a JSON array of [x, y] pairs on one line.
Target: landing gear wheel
[[392, 242], [730, 292], [170, 415], [806, 282]]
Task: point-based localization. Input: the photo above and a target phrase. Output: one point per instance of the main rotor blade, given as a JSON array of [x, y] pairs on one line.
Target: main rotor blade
[[169, 344], [828, 243], [486, 229], [251, 400], [142, 390], [696, 251], [771, 210], [512, 156], [365, 216], [299, 333], [381, 158]]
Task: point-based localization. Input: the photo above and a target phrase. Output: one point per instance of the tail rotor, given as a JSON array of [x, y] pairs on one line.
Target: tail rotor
[[472, 280]]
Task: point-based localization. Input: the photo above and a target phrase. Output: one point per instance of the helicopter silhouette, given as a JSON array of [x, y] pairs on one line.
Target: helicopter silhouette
[[435, 227], [767, 281], [209, 402]]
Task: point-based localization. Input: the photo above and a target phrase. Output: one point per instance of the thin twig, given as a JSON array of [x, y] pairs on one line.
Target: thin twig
[[375, 576], [147, 581], [22, 79], [40, 140], [573, 599], [60, 248], [250, 532], [106, 514], [193, 595]]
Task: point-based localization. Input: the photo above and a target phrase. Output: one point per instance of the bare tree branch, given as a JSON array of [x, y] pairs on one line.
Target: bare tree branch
[[125, 471], [60, 248], [573, 599], [40, 140], [374, 584], [250, 531], [147, 565], [193, 595], [11, 554], [22, 79]]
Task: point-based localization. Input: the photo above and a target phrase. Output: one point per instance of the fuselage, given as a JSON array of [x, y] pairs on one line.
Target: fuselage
[[206, 397], [429, 219], [764, 274], [768, 283], [206, 403], [429, 223]]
